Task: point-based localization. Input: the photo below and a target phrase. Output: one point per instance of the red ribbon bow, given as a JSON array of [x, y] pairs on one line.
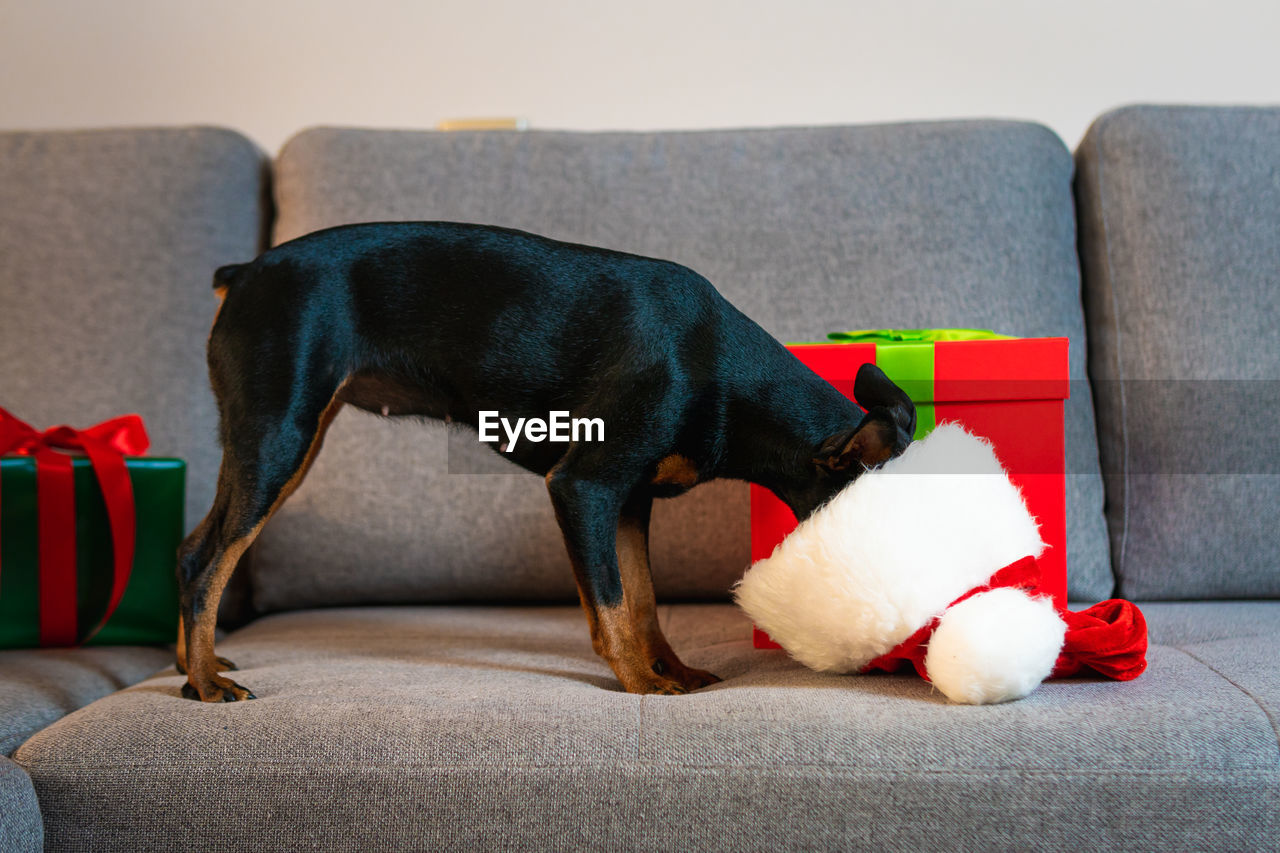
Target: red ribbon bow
[[1109, 638], [106, 445]]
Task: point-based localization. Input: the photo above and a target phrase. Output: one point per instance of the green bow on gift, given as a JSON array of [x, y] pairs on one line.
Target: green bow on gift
[[907, 357], [873, 336]]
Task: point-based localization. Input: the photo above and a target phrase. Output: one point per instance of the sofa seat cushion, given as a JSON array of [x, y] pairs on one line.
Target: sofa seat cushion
[[488, 727], [37, 686], [21, 830]]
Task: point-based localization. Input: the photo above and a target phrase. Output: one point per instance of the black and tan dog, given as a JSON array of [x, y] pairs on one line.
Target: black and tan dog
[[448, 320]]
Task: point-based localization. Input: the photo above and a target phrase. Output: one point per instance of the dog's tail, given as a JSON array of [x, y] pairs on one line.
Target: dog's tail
[[224, 277]]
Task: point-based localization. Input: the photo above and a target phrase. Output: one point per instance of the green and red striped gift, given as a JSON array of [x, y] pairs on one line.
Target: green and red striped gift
[[88, 537]]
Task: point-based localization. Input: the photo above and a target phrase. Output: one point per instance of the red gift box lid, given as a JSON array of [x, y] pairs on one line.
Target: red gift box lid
[[969, 370]]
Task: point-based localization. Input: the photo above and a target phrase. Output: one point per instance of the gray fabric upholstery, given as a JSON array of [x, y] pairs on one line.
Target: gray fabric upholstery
[[37, 686], [1179, 216], [491, 727], [1187, 622], [21, 830], [806, 230], [108, 242]]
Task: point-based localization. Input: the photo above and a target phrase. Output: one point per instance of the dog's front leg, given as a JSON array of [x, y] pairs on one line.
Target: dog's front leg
[[588, 513], [637, 587]]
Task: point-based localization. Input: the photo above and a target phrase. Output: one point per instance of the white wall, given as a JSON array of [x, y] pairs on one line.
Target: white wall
[[269, 68]]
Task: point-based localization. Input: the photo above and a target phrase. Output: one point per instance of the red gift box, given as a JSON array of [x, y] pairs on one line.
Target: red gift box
[[1011, 391]]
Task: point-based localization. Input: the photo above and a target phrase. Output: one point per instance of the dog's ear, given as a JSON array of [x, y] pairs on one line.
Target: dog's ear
[[873, 390], [884, 432]]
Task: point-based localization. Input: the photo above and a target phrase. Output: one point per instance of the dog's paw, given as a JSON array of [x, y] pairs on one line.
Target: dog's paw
[[652, 684], [220, 690], [666, 687], [693, 679]]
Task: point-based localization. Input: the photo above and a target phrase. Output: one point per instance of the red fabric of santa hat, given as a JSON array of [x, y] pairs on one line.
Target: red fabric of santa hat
[[930, 559]]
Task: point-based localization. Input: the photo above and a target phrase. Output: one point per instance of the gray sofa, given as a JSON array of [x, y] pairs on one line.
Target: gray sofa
[[407, 620]]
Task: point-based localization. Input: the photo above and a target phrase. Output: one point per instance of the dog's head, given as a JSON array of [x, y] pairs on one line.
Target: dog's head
[[883, 433]]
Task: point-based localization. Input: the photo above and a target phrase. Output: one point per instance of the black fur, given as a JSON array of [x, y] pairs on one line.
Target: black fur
[[444, 319]]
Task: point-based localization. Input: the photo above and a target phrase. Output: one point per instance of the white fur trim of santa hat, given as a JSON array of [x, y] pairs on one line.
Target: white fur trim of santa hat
[[891, 551]]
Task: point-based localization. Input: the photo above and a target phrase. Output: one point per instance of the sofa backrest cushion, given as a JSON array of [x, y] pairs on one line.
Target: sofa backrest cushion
[[806, 230], [108, 242], [1180, 244]]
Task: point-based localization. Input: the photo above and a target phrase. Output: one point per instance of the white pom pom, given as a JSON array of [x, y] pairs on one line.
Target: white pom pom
[[994, 647]]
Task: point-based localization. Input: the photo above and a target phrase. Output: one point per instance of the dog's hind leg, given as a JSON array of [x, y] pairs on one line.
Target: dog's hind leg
[[261, 467]]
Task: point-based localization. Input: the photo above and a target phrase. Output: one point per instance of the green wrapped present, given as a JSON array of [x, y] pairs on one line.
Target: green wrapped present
[[88, 544]]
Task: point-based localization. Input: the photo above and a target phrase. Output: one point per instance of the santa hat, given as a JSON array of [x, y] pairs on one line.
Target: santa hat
[[931, 559]]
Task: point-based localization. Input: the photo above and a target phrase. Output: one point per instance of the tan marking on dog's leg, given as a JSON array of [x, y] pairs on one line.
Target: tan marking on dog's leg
[[202, 672], [593, 623], [623, 652], [181, 654], [202, 663], [613, 637], [224, 665], [637, 583], [613, 633]]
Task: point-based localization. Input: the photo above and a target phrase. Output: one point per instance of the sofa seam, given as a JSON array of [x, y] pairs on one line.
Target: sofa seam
[[1109, 277], [639, 728], [35, 769], [1266, 712]]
